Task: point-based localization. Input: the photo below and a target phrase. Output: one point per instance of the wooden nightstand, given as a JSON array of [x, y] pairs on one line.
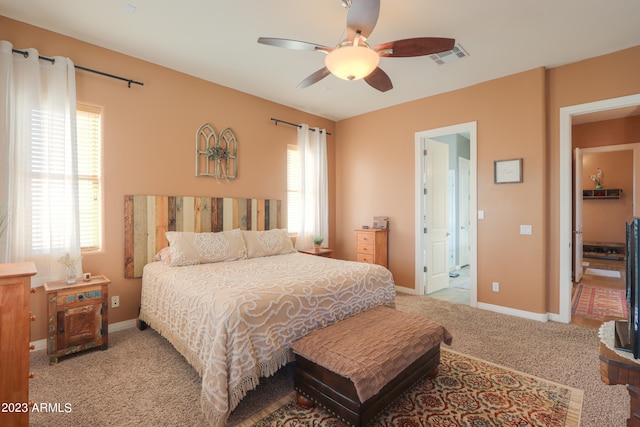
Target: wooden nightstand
[[77, 315], [326, 252], [371, 246]]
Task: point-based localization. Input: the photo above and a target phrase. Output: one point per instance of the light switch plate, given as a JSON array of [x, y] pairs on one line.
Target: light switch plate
[[526, 229]]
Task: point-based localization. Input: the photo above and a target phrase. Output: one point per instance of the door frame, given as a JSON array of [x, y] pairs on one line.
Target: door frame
[[471, 129], [565, 166]]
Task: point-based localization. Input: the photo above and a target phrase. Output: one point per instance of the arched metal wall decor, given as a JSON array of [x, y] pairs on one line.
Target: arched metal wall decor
[[216, 154]]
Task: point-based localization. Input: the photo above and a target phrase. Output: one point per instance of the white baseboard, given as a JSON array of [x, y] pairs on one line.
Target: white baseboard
[[541, 317], [113, 327], [404, 290]]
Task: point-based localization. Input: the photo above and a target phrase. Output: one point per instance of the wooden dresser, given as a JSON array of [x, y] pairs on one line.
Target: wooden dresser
[[78, 316], [371, 246], [15, 328]]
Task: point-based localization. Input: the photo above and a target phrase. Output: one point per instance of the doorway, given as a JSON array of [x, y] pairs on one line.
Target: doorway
[[446, 202], [566, 204]]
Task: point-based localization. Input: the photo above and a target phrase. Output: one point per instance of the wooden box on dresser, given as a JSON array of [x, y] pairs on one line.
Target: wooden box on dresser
[[77, 315], [15, 328], [371, 246]]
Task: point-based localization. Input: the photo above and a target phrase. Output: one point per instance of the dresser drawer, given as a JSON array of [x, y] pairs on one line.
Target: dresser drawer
[[365, 248], [365, 238], [368, 258]]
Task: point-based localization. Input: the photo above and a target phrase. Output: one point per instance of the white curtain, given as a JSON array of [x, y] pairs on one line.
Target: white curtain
[[38, 162], [312, 149]]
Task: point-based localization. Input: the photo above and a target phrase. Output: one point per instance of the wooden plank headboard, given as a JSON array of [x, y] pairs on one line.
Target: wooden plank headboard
[[147, 218]]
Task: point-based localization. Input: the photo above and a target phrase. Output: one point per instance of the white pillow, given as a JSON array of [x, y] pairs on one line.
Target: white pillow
[[267, 243], [189, 248]]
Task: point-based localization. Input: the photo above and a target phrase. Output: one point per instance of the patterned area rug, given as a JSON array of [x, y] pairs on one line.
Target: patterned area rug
[[466, 392], [596, 303]]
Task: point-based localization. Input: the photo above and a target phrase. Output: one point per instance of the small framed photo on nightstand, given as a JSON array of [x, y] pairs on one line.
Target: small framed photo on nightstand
[[507, 171]]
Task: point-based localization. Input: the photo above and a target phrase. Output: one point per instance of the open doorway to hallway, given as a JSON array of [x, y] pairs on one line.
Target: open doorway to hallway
[[446, 222]]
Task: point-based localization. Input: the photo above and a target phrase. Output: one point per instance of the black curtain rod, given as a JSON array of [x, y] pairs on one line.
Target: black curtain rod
[[292, 124], [52, 60]]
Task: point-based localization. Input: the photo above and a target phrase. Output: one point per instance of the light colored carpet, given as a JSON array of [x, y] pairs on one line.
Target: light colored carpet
[[142, 381]]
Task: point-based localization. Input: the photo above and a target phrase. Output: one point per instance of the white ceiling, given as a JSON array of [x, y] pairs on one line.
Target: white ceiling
[[216, 41]]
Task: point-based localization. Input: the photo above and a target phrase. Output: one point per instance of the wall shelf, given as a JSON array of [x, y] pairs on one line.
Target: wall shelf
[[614, 193]]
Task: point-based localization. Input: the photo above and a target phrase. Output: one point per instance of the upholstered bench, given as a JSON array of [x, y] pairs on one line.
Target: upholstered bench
[[357, 366]]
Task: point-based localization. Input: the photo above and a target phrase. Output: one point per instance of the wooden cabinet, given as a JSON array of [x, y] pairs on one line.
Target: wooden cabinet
[[371, 246], [615, 369], [77, 315], [15, 327]]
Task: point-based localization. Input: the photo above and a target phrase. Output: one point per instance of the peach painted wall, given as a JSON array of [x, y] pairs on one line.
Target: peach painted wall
[[598, 225], [604, 77], [607, 132], [375, 167], [603, 220], [149, 135]]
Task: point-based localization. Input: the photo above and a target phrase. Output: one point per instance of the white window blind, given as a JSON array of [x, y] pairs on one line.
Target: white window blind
[[89, 134], [294, 202], [48, 180]]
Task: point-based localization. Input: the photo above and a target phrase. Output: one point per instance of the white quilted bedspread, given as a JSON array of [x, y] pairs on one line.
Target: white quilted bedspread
[[236, 321]]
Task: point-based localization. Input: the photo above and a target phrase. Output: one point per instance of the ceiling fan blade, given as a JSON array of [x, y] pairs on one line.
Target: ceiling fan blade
[[378, 79], [415, 47], [314, 78], [293, 44], [362, 17]]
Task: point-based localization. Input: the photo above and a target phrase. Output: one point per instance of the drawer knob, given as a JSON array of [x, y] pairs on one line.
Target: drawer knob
[[33, 317], [31, 375], [33, 290], [32, 347], [61, 330]]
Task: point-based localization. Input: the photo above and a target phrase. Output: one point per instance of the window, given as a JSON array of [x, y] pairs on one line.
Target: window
[[88, 125], [294, 203]]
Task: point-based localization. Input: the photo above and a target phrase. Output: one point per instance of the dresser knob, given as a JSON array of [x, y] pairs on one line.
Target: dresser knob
[[33, 317], [32, 347], [33, 290], [61, 330], [31, 375]]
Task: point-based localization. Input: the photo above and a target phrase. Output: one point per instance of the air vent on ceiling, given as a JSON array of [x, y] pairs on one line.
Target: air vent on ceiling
[[449, 56]]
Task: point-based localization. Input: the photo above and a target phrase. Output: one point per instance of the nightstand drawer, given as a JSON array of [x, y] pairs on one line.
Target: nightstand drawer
[[368, 258], [365, 238], [364, 248]]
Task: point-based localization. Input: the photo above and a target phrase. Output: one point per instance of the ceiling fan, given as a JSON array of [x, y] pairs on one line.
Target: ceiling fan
[[353, 58]]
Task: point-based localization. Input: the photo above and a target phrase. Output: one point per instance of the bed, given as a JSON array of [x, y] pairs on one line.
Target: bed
[[235, 315]]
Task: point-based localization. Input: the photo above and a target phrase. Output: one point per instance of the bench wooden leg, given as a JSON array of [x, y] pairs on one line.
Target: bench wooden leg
[[304, 401], [434, 373]]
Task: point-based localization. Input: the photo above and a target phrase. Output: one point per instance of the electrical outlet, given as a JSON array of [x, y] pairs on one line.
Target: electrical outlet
[[115, 301], [496, 287]]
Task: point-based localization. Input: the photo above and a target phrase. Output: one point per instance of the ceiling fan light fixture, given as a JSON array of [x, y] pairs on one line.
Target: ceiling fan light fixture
[[352, 62]]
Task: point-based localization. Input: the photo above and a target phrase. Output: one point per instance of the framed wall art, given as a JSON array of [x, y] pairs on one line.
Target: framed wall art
[[507, 171]]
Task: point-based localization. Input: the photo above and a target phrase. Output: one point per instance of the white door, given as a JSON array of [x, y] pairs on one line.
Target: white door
[[437, 215], [464, 219], [577, 206]]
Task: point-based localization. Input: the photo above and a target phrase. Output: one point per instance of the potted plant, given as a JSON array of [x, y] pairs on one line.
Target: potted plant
[[317, 241]]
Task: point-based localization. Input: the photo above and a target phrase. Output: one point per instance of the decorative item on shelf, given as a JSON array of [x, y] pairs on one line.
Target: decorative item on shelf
[[216, 154], [317, 241], [70, 272], [597, 178]]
